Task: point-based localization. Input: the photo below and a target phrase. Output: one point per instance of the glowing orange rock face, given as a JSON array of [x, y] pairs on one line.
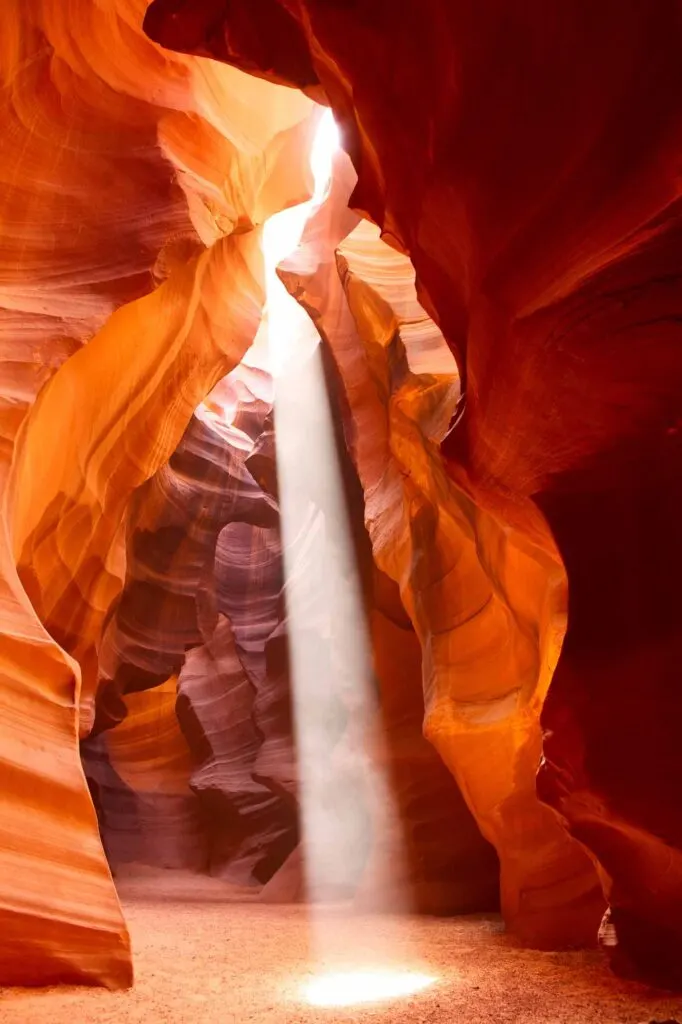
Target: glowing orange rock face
[[123, 168], [59, 916], [67, 515], [448, 867], [488, 649], [526, 161]]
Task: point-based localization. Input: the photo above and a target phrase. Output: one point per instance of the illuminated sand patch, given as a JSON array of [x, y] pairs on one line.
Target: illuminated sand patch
[[355, 987]]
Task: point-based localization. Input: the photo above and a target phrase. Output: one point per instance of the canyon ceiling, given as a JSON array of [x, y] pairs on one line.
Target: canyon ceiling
[[495, 279]]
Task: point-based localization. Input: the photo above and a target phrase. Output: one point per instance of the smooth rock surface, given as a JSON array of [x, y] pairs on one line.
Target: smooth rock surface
[[526, 159]]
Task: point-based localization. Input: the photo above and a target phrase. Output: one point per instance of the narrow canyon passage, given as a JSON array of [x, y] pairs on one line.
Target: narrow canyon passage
[[340, 468]]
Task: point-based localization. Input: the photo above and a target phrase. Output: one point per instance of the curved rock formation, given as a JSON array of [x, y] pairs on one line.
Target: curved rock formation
[[170, 600], [513, 518], [59, 916], [186, 129], [487, 610], [540, 210], [448, 868], [141, 773], [252, 827], [67, 519], [121, 164], [203, 576]]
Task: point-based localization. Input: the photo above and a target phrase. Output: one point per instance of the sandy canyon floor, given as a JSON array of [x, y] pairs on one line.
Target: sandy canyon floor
[[202, 959]]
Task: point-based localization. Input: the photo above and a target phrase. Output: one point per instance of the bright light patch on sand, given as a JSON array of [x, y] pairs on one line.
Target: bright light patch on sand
[[356, 987]]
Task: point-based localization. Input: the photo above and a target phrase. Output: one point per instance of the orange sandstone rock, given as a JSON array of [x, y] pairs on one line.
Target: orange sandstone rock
[[59, 916], [123, 405], [526, 158], [487, 606], [123, 166]]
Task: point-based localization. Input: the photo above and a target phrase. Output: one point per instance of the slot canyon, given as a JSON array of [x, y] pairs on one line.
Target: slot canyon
[[340, 478]]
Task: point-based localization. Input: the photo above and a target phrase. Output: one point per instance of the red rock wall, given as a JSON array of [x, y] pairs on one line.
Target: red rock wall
[[526, 159], [488, 614]]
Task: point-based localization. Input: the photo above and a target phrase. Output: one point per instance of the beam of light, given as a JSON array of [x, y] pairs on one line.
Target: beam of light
[[289, 330], [329, 646], [356, 987], [345, 798]]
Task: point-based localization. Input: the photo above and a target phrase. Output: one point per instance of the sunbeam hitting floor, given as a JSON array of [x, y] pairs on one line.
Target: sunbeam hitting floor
[[202, 958]]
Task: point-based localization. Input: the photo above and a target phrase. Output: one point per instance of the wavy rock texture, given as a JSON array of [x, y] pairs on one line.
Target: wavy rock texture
[[235, 703], [140, 773], [151, 161], [458, 871], [541, 212], [59, 915], [449, 869], [488, 608], [202, 598], [169, 602], [440, 862], [251, 595], [253, 828], [67, 519], [488, 614]]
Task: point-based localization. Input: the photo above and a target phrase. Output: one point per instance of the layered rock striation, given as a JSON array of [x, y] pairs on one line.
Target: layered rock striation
[[124, 168], [525, 160], [512, 515]]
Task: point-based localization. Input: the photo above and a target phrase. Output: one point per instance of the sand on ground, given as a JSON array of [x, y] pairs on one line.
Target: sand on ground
[[204, 955]]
